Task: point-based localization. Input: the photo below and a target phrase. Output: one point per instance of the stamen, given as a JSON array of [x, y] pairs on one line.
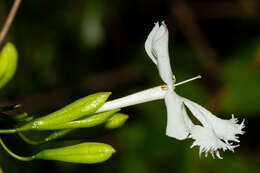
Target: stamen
[[188, 80]]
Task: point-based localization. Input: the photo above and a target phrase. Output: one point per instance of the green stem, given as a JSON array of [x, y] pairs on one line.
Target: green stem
[[52, 136], [7, 131], [30, 158], [29, 141]]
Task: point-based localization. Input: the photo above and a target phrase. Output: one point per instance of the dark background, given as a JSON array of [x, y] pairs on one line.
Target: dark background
[[69, 49]]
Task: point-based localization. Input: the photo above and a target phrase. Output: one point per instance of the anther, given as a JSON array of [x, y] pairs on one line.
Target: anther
[[164, 87]]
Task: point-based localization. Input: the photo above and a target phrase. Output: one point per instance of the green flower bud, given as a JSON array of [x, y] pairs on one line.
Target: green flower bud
[[24, 117], [57, 134], [81, 153], [91, 121], [8, 63], [82, 107], [116, 121], [3, 62]]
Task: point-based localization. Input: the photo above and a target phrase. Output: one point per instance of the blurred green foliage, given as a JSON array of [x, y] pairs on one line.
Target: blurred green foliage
[[69, 49], [241, 77]]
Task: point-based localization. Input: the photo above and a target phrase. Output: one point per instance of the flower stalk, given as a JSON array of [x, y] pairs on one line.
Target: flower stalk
[[21, 158]]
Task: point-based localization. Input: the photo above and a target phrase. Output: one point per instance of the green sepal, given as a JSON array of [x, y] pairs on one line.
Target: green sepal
[[82, 107], [88, 153], [117, 120], [8, 63], [90, 121]]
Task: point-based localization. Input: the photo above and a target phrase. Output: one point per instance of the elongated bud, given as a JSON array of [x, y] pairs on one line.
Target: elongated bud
[[23, 117], [88, 153], [117, 120], [73, 111], [8, 63], [57, 134], [91, 121]]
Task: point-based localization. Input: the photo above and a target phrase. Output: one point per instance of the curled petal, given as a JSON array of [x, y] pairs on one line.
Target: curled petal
[[176, 126], [225, 129], [208, 141], [148, 42], [160, 49], [156, 46]]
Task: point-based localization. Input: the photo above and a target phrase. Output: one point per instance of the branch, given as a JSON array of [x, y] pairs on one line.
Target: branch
[[9, 19]]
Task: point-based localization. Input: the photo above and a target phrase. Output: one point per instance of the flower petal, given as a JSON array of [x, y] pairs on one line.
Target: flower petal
[[187, 120], [208, 141], [148, 42], [160, 50], [225, 129], [196, 112], [176, 126]]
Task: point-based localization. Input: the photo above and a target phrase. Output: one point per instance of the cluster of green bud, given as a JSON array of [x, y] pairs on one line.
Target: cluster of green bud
[[80, 114], [64, 118]]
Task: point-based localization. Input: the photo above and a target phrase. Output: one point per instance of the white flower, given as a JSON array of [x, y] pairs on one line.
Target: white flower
[[215, 133]]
